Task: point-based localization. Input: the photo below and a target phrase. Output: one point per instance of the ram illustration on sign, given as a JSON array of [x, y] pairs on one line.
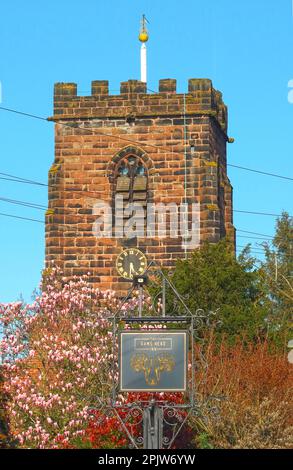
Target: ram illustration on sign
[[153, 361]]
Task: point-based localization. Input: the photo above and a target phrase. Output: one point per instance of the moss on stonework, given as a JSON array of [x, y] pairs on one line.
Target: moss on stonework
[[50, 212], [211, 164], [54, 169], [212, 207]]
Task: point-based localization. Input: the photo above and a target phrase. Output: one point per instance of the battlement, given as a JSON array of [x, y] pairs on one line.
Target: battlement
[[134, 99]]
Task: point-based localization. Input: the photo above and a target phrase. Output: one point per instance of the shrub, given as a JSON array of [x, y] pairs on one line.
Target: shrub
[[255, 383], [105, 430]]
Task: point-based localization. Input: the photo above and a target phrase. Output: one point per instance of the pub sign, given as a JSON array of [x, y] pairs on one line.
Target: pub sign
[[153, 361]]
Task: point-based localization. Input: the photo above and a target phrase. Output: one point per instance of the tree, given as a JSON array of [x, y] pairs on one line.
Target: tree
[[59, 367], [212, 278], [277, 273], [57, 360]]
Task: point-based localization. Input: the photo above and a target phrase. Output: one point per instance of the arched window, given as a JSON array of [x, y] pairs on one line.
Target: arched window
[[131, 183]]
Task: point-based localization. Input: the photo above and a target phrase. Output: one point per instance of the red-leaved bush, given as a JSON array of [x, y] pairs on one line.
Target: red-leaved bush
[[106, 431], [254, 382]]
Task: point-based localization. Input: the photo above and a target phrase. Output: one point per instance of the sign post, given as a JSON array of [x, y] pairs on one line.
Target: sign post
[[153, 427]]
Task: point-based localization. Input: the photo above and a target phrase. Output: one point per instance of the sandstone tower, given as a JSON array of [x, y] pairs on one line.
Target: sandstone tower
[[160, 147]]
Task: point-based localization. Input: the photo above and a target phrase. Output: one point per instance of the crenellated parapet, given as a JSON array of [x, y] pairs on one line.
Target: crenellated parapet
[[201, 98]]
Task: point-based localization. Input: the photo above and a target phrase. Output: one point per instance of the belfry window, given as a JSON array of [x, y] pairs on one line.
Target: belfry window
[[131, 184]]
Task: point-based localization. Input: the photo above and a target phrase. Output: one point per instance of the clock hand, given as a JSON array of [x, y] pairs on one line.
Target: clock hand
[[131, 268]]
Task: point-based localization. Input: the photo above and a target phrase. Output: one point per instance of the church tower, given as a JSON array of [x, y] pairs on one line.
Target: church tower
[[138, 178], [149, 149]]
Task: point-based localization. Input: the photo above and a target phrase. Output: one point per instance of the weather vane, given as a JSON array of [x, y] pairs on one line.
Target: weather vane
[[143, 37]]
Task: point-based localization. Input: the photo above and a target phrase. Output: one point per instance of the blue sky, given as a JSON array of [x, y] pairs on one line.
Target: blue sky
[[244, 47]]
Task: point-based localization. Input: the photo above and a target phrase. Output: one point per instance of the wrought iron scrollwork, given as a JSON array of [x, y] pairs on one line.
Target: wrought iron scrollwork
[[132, 310]]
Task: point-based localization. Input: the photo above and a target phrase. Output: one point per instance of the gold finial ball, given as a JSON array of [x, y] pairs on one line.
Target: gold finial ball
[[143, 36]]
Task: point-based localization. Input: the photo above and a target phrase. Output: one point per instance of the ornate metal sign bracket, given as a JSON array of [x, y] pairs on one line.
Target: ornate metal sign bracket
[[154, 422]]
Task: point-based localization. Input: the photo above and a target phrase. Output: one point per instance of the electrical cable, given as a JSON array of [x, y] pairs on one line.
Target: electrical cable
[[34, 116]]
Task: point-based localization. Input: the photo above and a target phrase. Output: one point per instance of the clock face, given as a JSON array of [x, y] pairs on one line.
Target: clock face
[[131, 262]]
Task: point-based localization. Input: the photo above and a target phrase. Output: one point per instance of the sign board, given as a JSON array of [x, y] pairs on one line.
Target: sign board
[[153, 361]]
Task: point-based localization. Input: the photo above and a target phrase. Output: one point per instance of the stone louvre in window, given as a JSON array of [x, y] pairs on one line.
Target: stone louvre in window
[[140, 183], [123, 183]]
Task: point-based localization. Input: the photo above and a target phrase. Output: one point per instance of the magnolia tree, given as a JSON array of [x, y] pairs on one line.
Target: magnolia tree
[[57, 356], [59, 368]]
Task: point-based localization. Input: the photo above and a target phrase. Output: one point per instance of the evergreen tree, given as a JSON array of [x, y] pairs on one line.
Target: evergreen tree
[[212, 278]]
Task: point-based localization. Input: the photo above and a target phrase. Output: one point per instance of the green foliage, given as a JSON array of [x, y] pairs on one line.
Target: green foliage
[[252, 299], [213, 279], [277, 276], [204, 442]]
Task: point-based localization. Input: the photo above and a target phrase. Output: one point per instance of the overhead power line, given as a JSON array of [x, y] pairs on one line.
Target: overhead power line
[[42, 222], [256, 250], [252, 251], [98, 132], [23, 203], [39, 206], [22, 180], [253, 238], [259, 213], [19, 180], [22, 218], [260, 172], [15, 111], [239, 247], [253, 233]]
